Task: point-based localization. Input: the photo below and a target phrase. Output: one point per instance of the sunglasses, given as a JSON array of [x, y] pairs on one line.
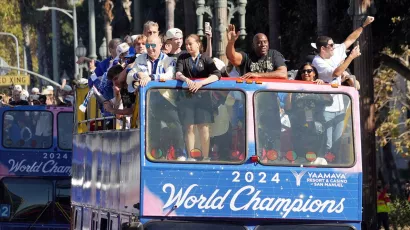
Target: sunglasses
[[307, 70], [331, 44], [148, 45]]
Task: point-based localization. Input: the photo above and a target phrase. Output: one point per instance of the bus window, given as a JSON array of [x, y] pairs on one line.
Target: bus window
[[65, 130], [182, 225], [208, 125], [62, 200], [104, 223], [28, 129], [303, 128], [29, 199], [302, 227]]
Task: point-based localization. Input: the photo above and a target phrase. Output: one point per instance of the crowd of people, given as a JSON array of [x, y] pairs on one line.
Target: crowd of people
[[63, 96], [152, 56]]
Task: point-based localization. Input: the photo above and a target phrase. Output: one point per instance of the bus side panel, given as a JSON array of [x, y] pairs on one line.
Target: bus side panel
[[114, 174], [130, 171], [78, 166], [87, 218]]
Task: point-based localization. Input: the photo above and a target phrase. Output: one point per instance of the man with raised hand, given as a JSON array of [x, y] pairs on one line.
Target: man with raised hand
[[261, 62]]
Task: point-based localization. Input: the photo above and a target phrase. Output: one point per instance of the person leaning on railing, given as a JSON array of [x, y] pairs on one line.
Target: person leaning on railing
[[196, 108], [261, 62]]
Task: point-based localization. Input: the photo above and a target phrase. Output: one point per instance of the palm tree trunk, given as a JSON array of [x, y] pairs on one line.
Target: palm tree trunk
[[169, 13], [322, 17], [274, 25], [189, 17]]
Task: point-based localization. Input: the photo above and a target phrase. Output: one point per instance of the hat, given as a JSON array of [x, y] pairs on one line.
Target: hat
[[50, 88], [24, 95], [18, 88], [45, 92], [133, 37], [35, 90], [173, 33], [67, 88], [122, 48], [130, 81]]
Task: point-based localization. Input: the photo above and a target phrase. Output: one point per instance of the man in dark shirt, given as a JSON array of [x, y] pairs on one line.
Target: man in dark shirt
[[262, 62]]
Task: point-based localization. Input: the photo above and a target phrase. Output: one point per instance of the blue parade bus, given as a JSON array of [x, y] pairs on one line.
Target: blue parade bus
[[35, 167], [267, 158]]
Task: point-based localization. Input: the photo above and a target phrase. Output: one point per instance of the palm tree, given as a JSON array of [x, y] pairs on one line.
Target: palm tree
[[274, 24], [169, 13], [322, 17]]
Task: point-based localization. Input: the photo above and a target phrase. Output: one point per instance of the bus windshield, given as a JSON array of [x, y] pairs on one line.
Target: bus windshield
[[208, 125], [295, 128], [27, 129], [65, 130], [32, 200]]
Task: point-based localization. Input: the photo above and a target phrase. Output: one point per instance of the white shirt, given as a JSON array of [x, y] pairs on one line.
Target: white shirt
[[325, 68]]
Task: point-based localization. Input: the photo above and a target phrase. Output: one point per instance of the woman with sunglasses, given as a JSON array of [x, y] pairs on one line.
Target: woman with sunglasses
[[195, 108], [307, 72], [305, 111]]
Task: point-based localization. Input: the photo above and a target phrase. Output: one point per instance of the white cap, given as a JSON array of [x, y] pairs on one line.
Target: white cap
[[130, 80], [122, 48], [24, 95], [67, 88], [173, 33], [35, 90], [18, 88], [45, 92], [50, 88]]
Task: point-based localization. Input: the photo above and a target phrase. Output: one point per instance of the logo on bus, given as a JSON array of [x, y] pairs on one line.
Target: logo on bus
[[322, 179], [47, 167]]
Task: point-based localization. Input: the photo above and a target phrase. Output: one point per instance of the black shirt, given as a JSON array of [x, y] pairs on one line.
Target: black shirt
[[202, 67], [21, 102], [254, 64], [128, 99]]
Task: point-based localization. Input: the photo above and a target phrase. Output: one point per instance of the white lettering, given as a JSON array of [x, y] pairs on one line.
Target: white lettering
[[49, 166], [248, 197]]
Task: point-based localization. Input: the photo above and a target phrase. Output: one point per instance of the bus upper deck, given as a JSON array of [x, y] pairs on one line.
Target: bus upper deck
[[235, 155], [35, 166]]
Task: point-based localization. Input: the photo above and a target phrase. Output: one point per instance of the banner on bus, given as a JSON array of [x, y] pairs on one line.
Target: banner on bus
[[14, 80]]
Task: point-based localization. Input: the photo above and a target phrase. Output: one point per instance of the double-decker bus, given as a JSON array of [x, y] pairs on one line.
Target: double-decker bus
[[268, 159], [35, 167]]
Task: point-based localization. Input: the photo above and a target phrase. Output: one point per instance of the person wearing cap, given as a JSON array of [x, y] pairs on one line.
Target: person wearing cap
[[19, 98], [174, 37], [35, 91]]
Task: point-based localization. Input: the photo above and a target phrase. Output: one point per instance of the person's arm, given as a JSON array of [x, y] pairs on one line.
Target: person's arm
[[208, 43], [108, 106], [280, 73], [340, 69], [234, 57], [356, 34]]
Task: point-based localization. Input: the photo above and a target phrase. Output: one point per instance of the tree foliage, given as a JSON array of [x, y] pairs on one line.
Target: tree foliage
[[392, 98]]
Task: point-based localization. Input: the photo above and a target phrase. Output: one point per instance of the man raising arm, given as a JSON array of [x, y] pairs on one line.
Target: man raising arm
[[262, 62]]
